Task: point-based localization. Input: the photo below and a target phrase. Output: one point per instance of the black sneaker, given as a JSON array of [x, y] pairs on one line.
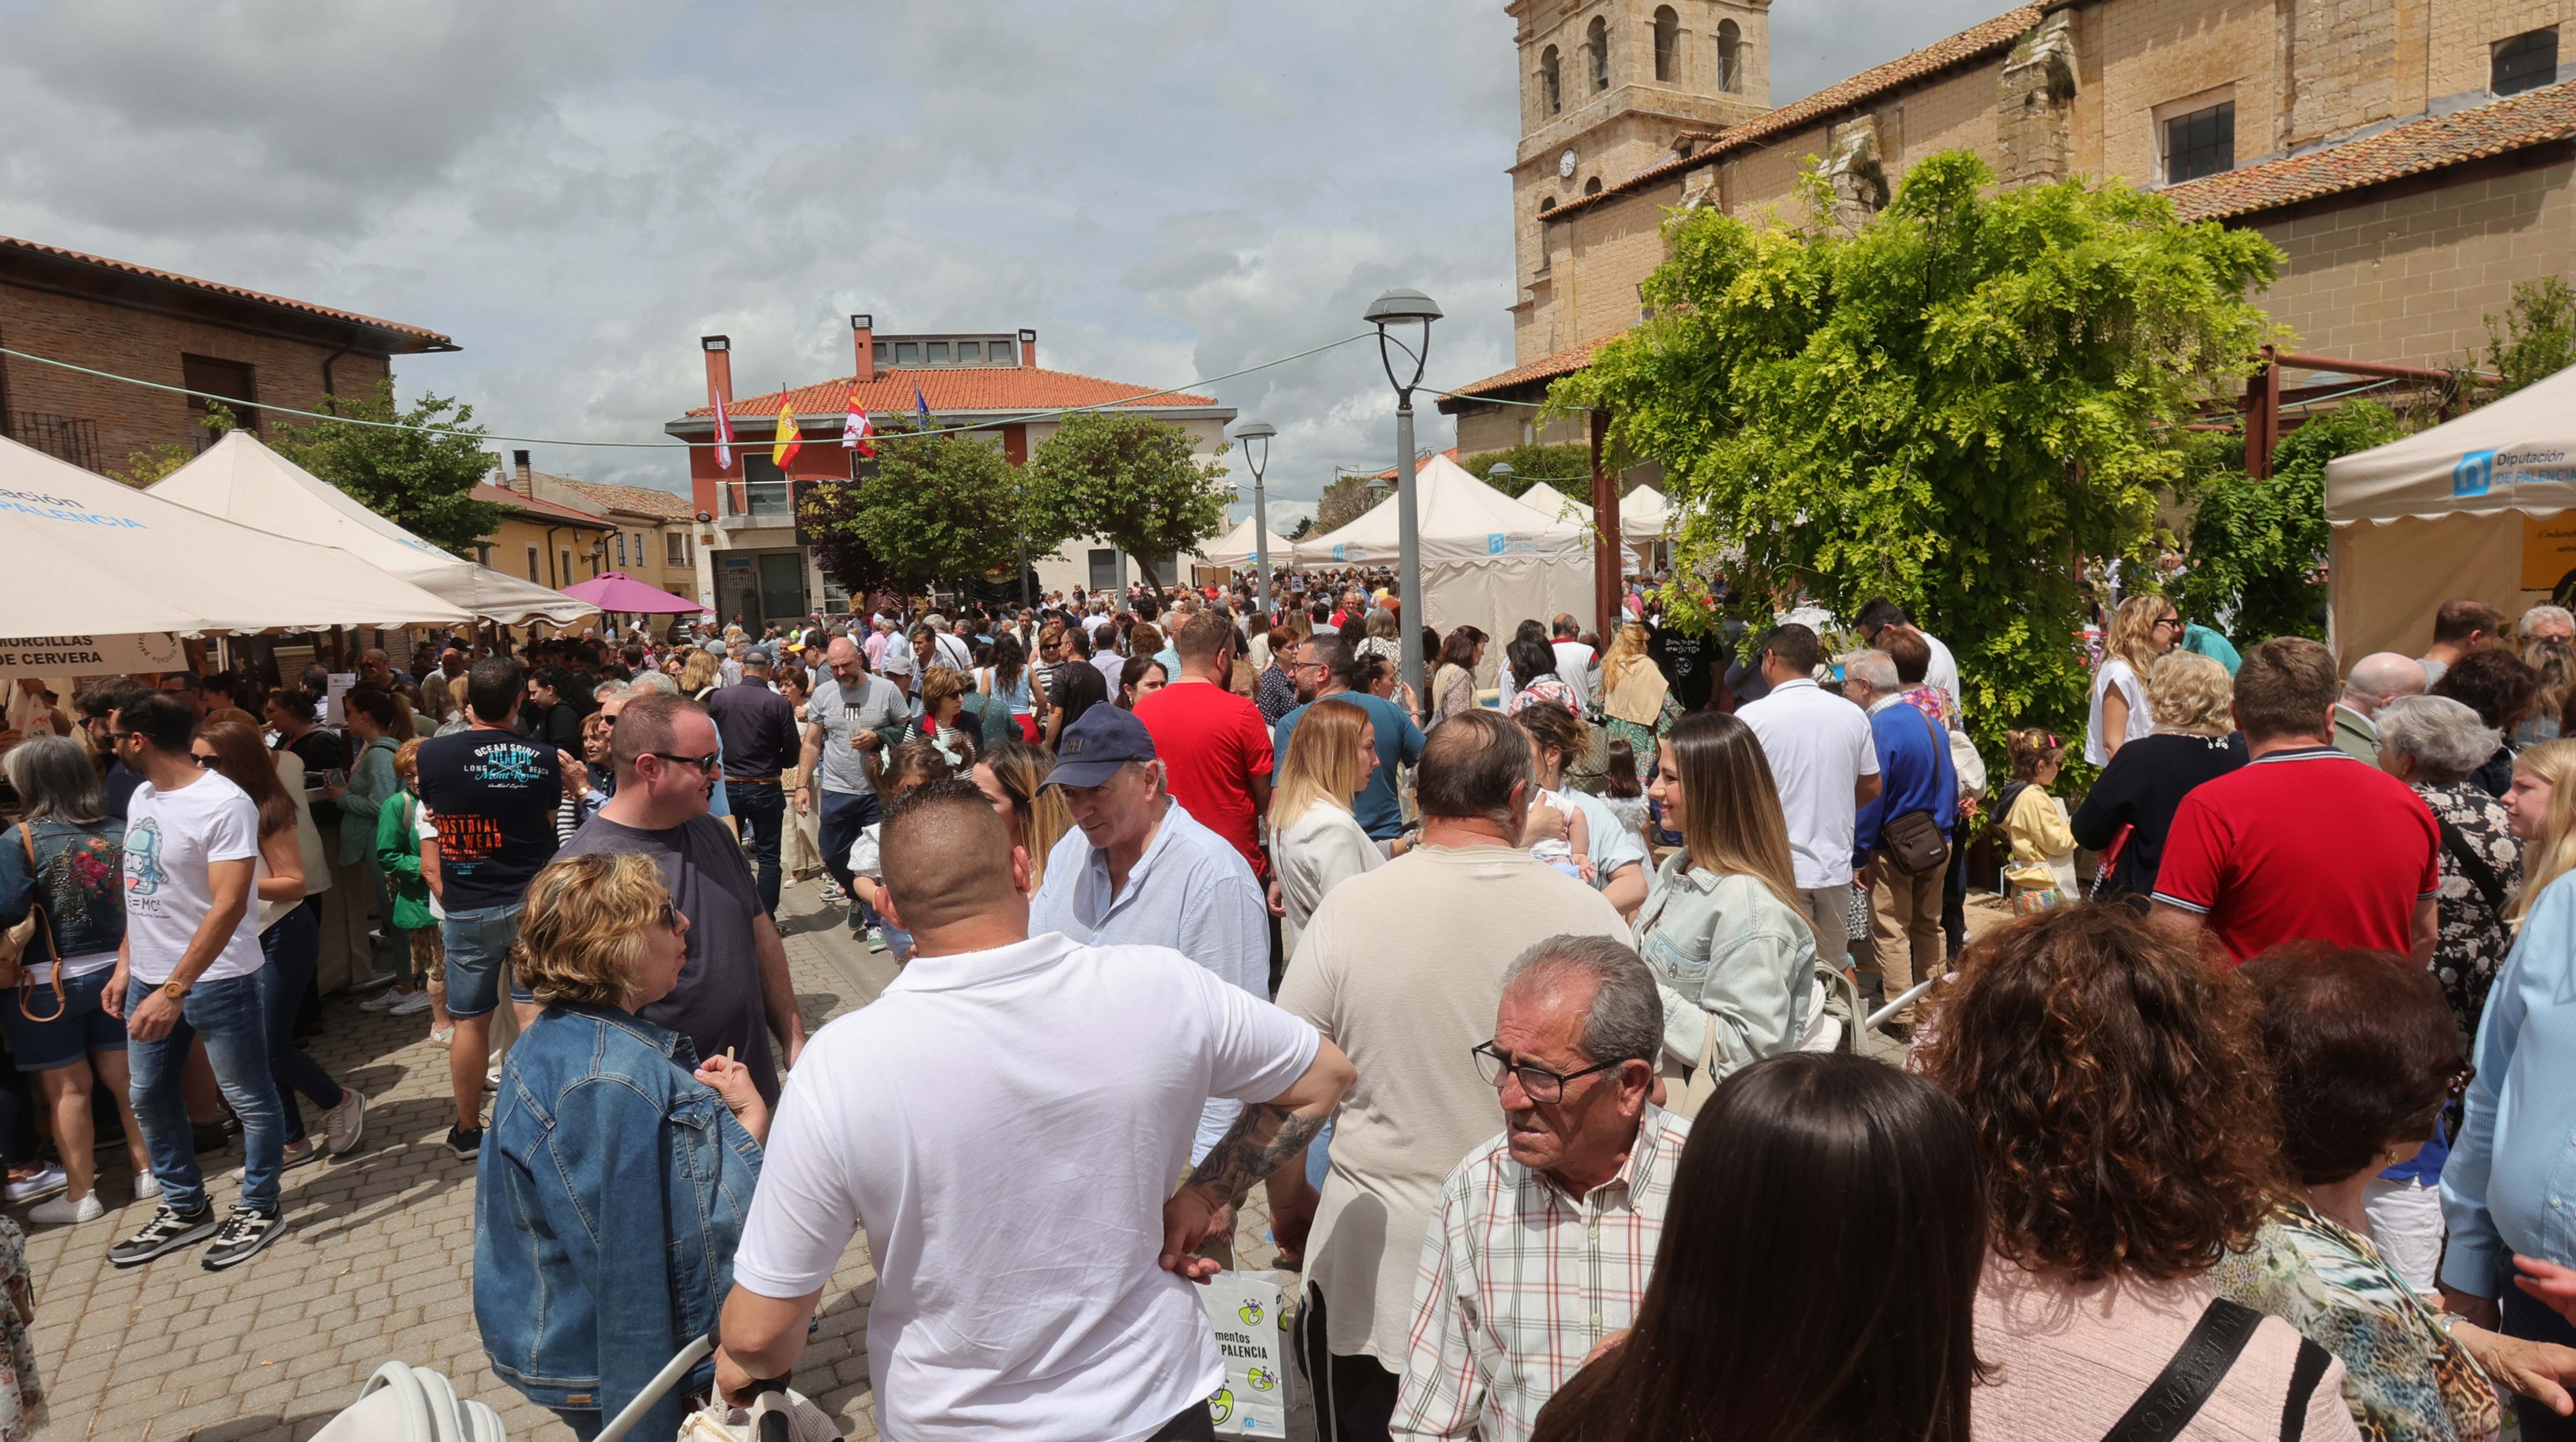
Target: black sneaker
[[245, 1233], [468, 1146], [210, 1136], [168, 1231]]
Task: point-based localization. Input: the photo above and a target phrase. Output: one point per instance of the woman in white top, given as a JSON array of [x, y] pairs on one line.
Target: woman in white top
[[2144, 628], [1314, 840]]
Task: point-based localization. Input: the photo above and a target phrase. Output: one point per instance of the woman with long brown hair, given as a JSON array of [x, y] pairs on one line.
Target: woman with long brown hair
[[1721, 925], [1751, 1330], [2123, 1109], [290, 936], [1013, 776]]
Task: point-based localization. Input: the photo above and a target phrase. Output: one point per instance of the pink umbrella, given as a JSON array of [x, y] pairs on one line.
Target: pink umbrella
[[619, 592]]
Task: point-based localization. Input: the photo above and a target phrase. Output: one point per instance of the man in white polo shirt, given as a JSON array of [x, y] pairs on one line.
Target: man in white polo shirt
[[998, 1079], [1825, 763]]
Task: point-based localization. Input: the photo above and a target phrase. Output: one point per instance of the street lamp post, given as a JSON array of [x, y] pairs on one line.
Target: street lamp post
[[1259, 459], [1401, 307]]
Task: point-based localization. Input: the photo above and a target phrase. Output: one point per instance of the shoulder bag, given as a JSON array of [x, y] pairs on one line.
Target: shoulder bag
[[1913, 841], [13, 945], [2177, 1394]]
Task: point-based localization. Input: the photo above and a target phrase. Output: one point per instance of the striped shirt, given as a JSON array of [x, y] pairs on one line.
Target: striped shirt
[[1520, 1281]]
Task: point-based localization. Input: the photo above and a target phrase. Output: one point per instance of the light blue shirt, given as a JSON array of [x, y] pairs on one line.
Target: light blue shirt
[[2509, 1187], [1191, 891]]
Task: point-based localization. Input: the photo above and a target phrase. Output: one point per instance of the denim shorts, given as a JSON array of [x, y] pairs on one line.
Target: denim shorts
[[84, 1026], [478, 942]]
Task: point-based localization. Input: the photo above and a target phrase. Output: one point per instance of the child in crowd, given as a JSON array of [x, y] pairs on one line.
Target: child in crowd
[[1558, 833], [2042, 870], [914, 762], [401, 826], [1621, 789]]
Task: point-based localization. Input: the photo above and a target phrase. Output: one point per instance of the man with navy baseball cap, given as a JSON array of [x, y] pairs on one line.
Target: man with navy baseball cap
[[1136, 870]]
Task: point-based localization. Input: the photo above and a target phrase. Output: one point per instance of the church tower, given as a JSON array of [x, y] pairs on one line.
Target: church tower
[[1607, 84]]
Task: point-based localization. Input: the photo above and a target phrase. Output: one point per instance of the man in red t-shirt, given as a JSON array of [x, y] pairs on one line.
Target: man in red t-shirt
[[1214, 746], [2304, 842]]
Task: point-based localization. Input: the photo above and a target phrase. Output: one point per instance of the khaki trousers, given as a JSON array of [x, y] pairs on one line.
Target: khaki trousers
[[1904, 926], [1828, 911]]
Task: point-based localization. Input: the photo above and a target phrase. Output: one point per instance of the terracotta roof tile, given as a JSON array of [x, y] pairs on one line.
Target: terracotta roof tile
[[1010, 389], [1389, 473], [433, 338], [1546, 368], [2534, 117], [1974, 43], [650, 500], [504, 496]]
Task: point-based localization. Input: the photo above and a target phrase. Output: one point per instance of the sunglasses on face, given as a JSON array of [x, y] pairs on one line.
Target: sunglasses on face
[[706, 764], [208, 763]]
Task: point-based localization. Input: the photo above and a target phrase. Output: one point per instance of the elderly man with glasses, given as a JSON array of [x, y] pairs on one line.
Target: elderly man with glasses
[[733, 994], [1546, 1234]]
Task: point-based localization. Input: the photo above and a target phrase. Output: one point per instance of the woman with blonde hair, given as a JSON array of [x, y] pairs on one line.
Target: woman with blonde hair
[[699, 674], [2144, 628], [1013, 776], [593, 1261], [2131, 807], [1315, 841], [1634, 694], [1721, 926]]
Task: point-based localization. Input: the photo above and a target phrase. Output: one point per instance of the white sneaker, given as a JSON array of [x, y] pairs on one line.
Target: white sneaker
[[45, 1183], [342, 1125], [408, 1004], [385, 999], [492, 1080], [146, 1187], [64, 1212]]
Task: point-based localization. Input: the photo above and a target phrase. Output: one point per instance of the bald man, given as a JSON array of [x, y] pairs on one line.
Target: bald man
[[1089, 1066], [2376, 680], [842, 721]]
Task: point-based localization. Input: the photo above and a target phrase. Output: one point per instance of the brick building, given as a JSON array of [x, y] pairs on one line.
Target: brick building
[[130, 320], [2412, 158], [749, 561]]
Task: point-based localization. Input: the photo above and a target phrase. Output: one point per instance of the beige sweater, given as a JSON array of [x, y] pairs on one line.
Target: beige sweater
[[2068, 1358]]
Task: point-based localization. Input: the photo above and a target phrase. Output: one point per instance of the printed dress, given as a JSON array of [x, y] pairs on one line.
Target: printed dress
[[2474, 940], [2405, 1379]]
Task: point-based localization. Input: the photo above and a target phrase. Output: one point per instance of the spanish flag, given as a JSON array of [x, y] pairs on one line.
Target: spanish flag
[[788, 438]]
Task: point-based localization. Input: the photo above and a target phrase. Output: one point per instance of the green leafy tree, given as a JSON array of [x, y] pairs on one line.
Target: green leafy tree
[[2256, 544], [1346, 500], [2537, 337], [155, 462], [824, 510], [1954, 406], [1130, 480], [940, 508], [1305, 527], [1533, 464], [421, 482]]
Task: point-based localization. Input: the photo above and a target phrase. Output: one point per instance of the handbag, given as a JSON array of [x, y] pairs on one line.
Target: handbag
[[1913, 841], [13, 947], [2179, 1391]]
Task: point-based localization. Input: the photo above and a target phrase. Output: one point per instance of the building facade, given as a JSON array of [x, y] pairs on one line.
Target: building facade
[[2411, 158], [257, 350], [749, 562]]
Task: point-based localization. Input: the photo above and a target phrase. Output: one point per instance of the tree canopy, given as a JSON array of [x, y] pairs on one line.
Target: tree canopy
[[1533, 464], [939, 508], [1954, 406], [2256, 545], [421, 482], [1130, 480], [2536, 336], [1343, 501]]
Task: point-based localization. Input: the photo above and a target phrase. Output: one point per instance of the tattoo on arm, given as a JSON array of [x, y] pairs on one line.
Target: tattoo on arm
[[1262, 1141]]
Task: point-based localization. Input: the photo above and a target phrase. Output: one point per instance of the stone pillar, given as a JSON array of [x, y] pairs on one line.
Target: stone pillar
[[2034, 104]]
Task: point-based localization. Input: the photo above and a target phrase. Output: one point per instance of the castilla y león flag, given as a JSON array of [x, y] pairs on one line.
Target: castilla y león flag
[[857, 433]]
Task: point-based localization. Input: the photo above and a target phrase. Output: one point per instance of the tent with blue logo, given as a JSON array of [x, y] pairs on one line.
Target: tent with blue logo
[[2483, 506], [1488, 561]]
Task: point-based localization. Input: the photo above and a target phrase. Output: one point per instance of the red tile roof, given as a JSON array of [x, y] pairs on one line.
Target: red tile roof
[[2516, 122], [1974, 43], [1010, 389], [432, 339], [1389, 473], [649, 500], [544, 510], [1546, 368]]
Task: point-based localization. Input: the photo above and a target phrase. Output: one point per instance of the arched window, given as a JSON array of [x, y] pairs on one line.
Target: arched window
[[1592, 186], [1596, 50], [1668, 44], [1550, 88], [1546, 203], [1730, 56]]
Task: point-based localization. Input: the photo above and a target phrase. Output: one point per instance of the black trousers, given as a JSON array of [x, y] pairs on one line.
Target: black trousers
[[1192, 1425], [1354, 1396]]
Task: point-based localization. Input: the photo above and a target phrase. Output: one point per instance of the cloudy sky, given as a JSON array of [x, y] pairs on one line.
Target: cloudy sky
[[576, 190]]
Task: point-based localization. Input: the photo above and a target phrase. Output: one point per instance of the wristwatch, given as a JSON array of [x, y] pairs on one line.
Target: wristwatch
[[174, 990]]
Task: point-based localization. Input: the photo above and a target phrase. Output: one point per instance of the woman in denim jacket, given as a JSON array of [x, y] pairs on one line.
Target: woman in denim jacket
[[1736, 960], [617, 1169], [77, 878]]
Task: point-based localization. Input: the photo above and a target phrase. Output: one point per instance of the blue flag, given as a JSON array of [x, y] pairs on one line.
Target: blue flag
[[921, 406]]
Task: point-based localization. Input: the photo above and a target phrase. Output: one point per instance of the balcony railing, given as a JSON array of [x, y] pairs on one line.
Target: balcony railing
[[65, 438]]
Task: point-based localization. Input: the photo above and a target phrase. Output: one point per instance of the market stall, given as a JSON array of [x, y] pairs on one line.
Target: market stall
[[1234, 550], [2475, 507], [1487, 560]]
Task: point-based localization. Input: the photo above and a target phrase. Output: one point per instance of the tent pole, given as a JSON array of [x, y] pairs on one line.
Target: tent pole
[[1605, 529]]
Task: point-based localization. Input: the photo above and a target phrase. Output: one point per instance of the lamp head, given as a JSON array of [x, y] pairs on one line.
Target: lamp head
[[1503, 469], [1257, 457], [1402, 307]]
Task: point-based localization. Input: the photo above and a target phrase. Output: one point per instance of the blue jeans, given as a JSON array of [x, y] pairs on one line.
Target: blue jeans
[[845, 815], [2531, 1319], [760, 809], [229, 1015], [293, 946]]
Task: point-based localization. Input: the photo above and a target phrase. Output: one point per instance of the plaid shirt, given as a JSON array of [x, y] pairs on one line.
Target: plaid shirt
[[1519, 1281]]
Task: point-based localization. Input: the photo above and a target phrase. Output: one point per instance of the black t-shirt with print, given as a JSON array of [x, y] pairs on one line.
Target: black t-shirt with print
[[492, 795]]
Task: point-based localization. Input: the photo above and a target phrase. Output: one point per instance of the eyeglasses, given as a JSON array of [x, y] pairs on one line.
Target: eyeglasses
[[706, 764], [208, 763], [668, 918], [2173, 621], [1542, 1086]]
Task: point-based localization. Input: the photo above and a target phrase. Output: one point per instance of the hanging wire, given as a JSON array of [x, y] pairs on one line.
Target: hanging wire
[[745, 443]]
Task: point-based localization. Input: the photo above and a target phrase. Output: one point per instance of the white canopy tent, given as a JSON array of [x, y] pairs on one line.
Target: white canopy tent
[[2474, 507], [1548, 501], [90, 557], [1487, 560], [1234, 550], [1643, 515], [243, 481]]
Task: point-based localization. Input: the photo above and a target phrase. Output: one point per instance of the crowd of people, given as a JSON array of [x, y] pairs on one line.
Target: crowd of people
[[2245, 1116]]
